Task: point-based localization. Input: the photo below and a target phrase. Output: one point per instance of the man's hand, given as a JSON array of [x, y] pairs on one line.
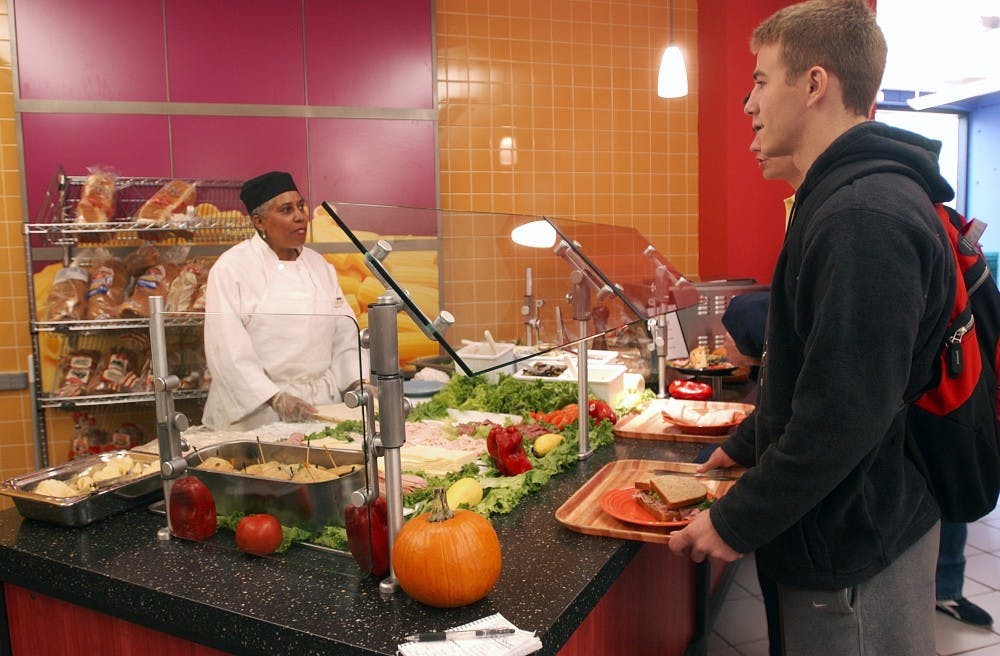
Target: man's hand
[[699, 540], [291, 408], [718, 460]]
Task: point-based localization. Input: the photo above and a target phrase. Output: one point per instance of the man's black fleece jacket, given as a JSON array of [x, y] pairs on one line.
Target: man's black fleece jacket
[[859, 301]]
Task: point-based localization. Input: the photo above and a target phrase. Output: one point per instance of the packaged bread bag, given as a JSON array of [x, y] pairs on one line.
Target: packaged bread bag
[[67, 300], [173, 197], [108, 279], [97, 199], [155, 281]]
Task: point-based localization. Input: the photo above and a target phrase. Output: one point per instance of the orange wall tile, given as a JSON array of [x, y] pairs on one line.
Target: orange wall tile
[[16, 445], [574, 83]]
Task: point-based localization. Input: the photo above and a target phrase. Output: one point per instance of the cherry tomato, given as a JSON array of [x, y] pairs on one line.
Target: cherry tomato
[[258, 534], [689, 389], [192, 509], [599, 411]]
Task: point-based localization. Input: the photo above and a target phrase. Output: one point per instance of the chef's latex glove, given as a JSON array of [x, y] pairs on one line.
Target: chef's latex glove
[[291, 408]]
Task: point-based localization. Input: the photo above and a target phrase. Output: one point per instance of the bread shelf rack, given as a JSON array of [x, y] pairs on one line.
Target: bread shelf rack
[[54, 236]]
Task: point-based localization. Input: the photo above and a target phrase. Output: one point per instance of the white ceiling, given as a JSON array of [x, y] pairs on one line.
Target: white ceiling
[[934, 44]]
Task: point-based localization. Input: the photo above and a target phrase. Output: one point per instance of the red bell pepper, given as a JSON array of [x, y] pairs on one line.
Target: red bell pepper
[[599, 411], [506, 446], [192, 509], [368, 536], [689, 389]]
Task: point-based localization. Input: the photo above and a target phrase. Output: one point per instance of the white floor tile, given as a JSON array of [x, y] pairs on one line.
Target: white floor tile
[[992, 650], [984, 568], [972, 588], [746, 576], [954, 637], [757, 648], [984, 537], [741, 621]]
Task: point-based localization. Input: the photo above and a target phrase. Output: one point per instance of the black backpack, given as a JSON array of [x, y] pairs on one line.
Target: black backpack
[[953, 426]]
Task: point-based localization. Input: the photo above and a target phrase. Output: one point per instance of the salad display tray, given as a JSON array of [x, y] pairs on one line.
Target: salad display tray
[[84, 508]]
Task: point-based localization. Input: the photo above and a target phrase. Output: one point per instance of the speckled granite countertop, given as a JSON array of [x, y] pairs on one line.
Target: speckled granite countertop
[[312, 602]]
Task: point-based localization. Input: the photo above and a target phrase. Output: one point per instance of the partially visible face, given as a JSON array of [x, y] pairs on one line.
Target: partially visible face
[[776, 108], [286, 224], [774, 168]]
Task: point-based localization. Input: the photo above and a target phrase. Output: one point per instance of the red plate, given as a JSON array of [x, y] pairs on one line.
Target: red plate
[[621, 504]]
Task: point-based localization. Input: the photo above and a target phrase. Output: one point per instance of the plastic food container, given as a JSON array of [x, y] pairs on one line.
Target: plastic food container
[[85, 508], [480, 356], [605, 381]]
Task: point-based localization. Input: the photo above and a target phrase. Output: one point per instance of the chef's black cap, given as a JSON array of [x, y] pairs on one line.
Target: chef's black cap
[[259, 190]]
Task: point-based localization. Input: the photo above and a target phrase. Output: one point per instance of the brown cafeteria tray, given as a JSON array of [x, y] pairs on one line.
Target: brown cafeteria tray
[[649, 424], [582, 511]]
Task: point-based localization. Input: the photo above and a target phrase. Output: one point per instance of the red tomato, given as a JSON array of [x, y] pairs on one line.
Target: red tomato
[[258, 534], [192, 509]]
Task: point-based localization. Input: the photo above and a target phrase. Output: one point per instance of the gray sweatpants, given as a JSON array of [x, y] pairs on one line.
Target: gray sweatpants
[[890, 613]]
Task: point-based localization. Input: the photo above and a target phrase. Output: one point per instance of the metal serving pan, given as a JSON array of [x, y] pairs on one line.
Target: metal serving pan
[[85, 508], [308, 505]]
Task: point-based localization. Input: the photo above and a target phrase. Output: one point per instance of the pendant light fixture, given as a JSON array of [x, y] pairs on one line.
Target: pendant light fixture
[[672, 82]]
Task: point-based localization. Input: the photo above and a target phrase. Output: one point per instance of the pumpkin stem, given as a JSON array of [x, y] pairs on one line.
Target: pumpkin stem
[[440, 510]]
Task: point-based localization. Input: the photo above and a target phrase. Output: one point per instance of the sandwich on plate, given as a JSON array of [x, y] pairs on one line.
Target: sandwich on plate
[[669, 498]]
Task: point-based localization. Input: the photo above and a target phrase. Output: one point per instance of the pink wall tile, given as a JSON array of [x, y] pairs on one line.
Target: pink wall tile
[[373, 161], [221, 51], [132, 145], [237, 148], [93, 50], [369, 54]]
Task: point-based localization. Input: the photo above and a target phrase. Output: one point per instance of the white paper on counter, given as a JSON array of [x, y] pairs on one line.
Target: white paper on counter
[[517, 644]]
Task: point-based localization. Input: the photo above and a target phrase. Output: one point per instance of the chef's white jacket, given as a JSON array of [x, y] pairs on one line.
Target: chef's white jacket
[[273, 326]]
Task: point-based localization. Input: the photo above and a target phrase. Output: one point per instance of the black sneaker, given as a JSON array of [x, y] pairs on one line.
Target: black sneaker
[[964, 610]]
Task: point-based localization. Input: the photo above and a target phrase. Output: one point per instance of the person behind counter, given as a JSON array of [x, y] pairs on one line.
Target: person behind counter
[[838, 516], [266, 367]]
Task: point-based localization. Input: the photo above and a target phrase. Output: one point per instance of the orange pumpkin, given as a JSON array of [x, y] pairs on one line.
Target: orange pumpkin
[[446, 558]]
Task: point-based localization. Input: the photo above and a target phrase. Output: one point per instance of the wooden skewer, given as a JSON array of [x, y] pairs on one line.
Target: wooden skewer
[[333, 463], [260, 449]]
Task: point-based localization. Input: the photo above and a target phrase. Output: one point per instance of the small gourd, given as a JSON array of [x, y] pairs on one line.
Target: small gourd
[[446, 558]]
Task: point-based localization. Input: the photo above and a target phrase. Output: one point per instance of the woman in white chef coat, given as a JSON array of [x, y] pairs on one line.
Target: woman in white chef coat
[[267, 365]]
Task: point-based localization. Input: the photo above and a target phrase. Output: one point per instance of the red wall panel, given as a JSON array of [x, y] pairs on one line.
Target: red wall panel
[[372, 161], [223, 52], [369, 54], [741, 215], [93, 50], [239, 147], [131, 145]]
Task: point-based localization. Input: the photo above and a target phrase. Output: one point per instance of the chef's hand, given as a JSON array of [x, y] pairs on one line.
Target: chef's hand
[[291, 408], [699, 540]]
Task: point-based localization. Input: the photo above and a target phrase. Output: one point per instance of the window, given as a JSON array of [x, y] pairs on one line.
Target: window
[[948, 128]]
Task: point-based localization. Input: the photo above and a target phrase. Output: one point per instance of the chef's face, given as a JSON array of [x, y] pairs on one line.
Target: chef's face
[[776, 107], [285, 224]]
